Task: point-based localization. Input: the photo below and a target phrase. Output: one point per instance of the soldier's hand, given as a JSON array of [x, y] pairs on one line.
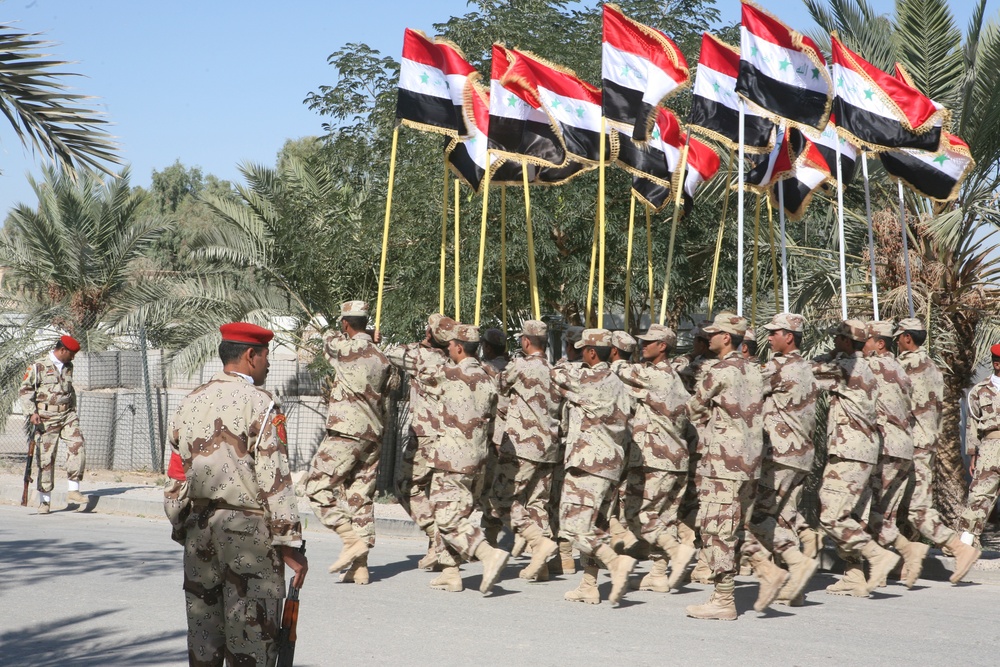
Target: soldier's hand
[[972, 464], [296, 560], [376, 336], [36, 419]]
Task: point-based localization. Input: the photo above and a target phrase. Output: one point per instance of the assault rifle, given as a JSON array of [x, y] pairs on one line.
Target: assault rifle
[[33, 432], [289, 622]]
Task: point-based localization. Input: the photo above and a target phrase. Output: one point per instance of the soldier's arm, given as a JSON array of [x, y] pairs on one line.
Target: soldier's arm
[[28, 389], [176, 504], [274, 478], [700, 405], [827, 373], [402, 356], [972, 424]]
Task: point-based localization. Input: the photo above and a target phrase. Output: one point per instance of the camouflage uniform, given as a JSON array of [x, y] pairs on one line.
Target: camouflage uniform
[[236, 505], [983, 437], [340, 483], [570, 368], [484, 481], [50, 392]]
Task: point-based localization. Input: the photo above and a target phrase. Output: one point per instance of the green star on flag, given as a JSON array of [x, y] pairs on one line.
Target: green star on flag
[[754, 51], [715, 86], [784, 64], [868, 93], [424, 78], [511, 101], [941, 159], [815, 72], [580, 112]]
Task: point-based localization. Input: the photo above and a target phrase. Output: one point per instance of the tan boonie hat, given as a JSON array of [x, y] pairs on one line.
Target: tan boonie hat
[[658, 333], [572, 334], [881, 328], [494, 337], [432, 320], [466, 333], [594, 338], [909, 324], [354, 309], [534, 328], [623, 341], [444, 329], [853, 329], [786, 322], [727, 323]]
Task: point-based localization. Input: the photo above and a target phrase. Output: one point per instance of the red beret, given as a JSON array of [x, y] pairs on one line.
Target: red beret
[[995, 350], [70, 343], [244, 332]]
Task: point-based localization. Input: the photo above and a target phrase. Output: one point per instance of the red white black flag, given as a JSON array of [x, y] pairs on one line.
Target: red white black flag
[[827, 143], [649, 160], [809, 172], [937, 176], [650, 193], [469, 158], [433, 77]]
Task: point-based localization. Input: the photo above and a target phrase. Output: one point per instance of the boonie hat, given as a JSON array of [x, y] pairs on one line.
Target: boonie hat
[[534, 328], [623, 341], [594, 338], [354, 309], [659, 332], [729, 323], [909, 324], [881, 328], [786, 322], [466, 333]]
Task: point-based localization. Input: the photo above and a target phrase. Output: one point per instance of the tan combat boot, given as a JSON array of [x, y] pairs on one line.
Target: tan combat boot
[[800, 571], [449, 580], [679, 560], [785, 596], [429, 561], [519, 545], [354, 547], [357, 573], [620, 567], [566, 561], [494, 560], [880, 563], [587, 590], [721, 606], [812, 542], [702, 573], [542, 549], [76, 498], [492, 533], [913, 554], [852, 583], [771, 578], [622, 539], [965, 558], [656, 579]]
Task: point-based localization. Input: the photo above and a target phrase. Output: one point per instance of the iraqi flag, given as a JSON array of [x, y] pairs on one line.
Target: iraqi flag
[[715, 109], [809, 173], [640, 67], [517, 130], [652, 194], [702, 165], [433, 76], [468, 158], [766, 170], [573, 104], [782, 71], [937, 176], [877, 111], [649, 160], [827, 143]]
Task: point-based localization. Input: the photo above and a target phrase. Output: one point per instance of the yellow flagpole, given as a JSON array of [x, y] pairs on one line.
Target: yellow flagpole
[[458, 294], [756, 245], [593, 270], [650, 277], [385, 228], [600, 213], [774, 258], [444, 239], [628, 258], [532, 278], [718, 238], [482, 240], [678, 202], [503, 256]]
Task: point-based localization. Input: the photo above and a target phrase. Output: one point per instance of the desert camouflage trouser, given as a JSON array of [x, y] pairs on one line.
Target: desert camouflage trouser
[[919, 497], [340, 483], [234, 587], [60, 426], [414, 484], [984, 489], [653, 502], [583, 510], [724, 505], [844, 502], [521, 490], [775, 522], [456, 538], [888, 482]]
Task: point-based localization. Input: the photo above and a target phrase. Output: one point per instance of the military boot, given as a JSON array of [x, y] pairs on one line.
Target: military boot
[[622, 539], [812, 542], [76, 498], [354, 547], [880, 563], [852, 583], [519, 545], [965, 558], [492, 532], [702, 573], [679, 562], [913, 554], [771, 578], [542, 549], [494, 560], [567, 563], [357, 573], [430, 560], [721, 606], [800, 571], [587, 590], [449, 580], [620, 567], [656, 580]]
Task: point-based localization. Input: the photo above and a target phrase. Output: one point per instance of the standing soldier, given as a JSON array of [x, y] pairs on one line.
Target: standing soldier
[[493, 351], [982, 442], [464, 395], [622, 538], [232, 505], [927, 383], [789, 419], [595, 449], [340, 483], [48, 397], [571, 362], [661, 437], [728, 399], [852, 452]]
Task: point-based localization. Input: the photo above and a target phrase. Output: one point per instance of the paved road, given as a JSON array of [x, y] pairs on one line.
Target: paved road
[[98, 590]]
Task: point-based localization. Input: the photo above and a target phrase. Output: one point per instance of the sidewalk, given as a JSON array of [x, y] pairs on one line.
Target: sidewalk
[[146, 500]]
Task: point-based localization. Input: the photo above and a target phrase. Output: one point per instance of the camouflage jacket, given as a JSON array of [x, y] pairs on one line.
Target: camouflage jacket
[[730, 399], [231, 438], [423, 408], [789, 410], [850, 425], [661, 430], [494, 431], [570, 368], [927, 384], [597, 428], [463, 395], [892, 406], [43, 385], [984, 414], [692, 369], [360, 372], [532, 419]]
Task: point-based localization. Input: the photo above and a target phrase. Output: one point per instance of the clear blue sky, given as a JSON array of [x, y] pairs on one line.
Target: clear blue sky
[[218, 82]]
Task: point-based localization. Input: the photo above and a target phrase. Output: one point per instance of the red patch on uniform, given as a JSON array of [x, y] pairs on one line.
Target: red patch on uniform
[[27, 374], [279, 426], [176, 468]]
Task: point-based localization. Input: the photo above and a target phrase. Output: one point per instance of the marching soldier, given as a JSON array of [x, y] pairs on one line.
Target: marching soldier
[[571, 362], [493, 352], [340, 483], [927, 383], [622, 538], [231, 503], [48, 397]]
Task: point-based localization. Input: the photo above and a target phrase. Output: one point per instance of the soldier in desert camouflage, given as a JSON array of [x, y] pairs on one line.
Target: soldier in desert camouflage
[[494, 357], [925, 400], [728, 399], [596, 432], [571, 362], [623, 538], [852, 453], [231, 503], [340, 483]]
